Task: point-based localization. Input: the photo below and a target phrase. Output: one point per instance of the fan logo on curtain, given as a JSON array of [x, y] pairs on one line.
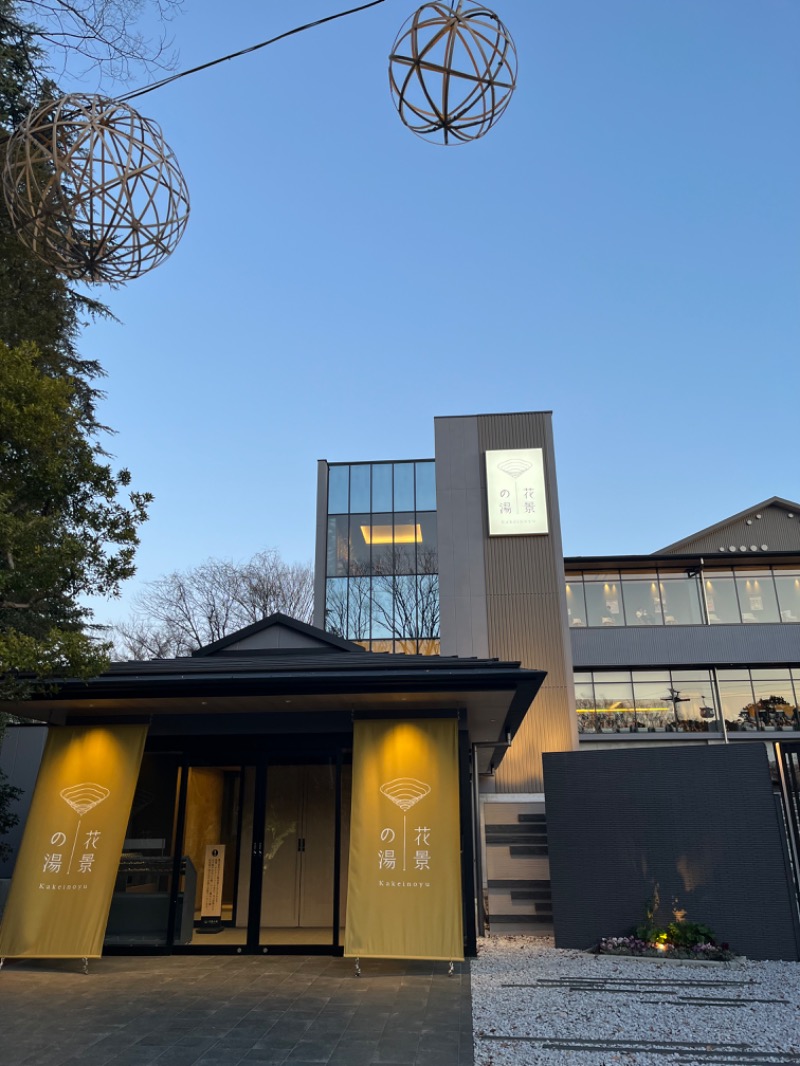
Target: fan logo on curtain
[[405, 793], [404, 893]]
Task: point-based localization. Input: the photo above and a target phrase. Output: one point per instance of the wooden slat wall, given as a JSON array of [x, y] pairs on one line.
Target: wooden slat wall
[[526, 610]]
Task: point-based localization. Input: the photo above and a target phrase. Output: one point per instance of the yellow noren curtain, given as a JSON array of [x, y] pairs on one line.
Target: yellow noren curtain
[[404, 897], [64, 877]]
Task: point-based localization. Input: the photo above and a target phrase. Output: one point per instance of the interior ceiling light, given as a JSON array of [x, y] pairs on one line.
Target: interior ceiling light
[[403, 534]]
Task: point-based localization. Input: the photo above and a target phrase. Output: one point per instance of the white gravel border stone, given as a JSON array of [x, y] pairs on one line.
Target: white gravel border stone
[[535, 1005]]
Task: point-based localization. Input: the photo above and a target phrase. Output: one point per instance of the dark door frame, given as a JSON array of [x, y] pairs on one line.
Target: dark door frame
[[237, 755]]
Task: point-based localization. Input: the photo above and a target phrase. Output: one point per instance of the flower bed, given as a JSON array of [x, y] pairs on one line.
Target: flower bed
[[663, 949]]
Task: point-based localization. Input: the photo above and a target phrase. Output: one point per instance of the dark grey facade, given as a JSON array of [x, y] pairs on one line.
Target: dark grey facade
[[701, 826]]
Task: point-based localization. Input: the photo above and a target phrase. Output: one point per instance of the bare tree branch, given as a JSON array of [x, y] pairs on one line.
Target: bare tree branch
[[186, 610], [80, 36]]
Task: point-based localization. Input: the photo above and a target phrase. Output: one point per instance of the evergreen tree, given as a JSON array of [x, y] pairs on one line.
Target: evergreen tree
[[66, 529]]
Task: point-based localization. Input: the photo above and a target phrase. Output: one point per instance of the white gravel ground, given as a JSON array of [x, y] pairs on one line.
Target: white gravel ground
[[533, 1004]]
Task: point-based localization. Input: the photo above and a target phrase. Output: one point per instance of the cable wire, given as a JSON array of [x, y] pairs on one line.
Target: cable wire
[[244, 51]]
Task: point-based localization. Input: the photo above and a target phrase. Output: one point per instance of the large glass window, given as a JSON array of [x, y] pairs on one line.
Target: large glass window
[[680, 595], [338, 489], [358, 608], [738, 702], [406, 536], [383, 597], [759, 699], [721, 599], [603, 600], [653, 709], [336, 606], [140, 905], [359, 541], [788, 586], [382, 557], [718, 597], [576, 603], [775, 697], [360, 487], [382, 487], [426, 485], [584, 703], [757, 599], [428, 605], [405, 607], [382, 541], [404, 486], [652, 701], [614, 702], [692, 695], [337, 545], [642, 599]]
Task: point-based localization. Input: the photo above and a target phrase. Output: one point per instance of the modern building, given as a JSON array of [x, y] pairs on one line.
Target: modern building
[[249, 752], [698, 643], [441, 590]]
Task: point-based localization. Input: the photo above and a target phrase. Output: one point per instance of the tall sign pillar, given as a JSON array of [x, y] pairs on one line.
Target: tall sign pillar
[[501, 570]]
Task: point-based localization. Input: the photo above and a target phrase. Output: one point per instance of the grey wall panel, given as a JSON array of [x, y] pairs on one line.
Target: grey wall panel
[[775, 529], [462, 586], [20, 756], [526, 608], [700, 823], [651, 646], [320, 554], [505, 596]]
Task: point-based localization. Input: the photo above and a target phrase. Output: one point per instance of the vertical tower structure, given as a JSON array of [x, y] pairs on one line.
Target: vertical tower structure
[[502, 592]]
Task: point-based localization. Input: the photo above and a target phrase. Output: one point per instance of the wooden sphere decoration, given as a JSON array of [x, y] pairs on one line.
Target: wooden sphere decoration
[[452, 71], [93, 189]]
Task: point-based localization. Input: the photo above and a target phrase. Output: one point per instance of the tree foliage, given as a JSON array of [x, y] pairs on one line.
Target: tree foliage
[[65, 531], [36, 303], [185, 610]]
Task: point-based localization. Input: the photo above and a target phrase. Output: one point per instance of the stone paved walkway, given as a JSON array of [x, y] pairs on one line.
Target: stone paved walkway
[[223, 1010]]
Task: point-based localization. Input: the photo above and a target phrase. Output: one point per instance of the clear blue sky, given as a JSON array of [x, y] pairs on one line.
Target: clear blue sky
[[622, 249]]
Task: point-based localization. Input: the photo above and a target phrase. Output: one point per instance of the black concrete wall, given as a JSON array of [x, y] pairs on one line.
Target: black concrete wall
[[701, 823]]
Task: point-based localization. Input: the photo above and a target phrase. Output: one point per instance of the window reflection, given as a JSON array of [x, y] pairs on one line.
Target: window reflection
[[680, 596], [721, 600], [787, 583], [576, 603], [382, 558], [426, 485], [646, 701], [337, 546], [660, 597], [404, 486], [757, 598], [359, 542], [382, 487], [603, 602], [360, 487], [642, 600], [338, 489]]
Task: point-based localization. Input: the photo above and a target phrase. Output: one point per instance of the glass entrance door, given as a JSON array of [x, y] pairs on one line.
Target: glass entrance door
[[265, 849], [218, 810], [299, 849]]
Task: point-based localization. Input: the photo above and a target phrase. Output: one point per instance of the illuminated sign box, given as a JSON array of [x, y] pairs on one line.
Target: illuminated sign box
[[515, 492]]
